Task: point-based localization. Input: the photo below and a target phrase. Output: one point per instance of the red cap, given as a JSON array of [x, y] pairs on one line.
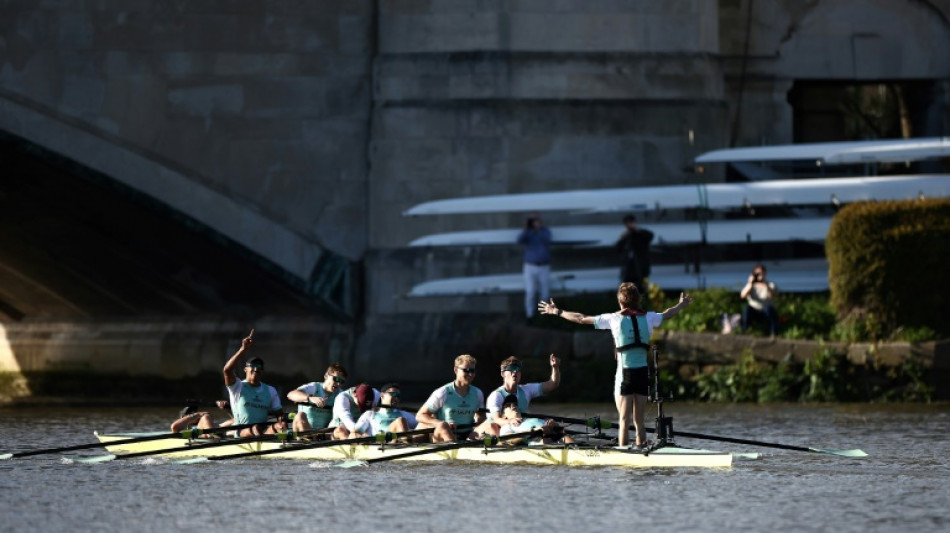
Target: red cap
[[364, 397]]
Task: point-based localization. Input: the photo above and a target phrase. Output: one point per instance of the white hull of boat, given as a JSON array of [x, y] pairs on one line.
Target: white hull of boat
[[717, 232], [829, 191], [790, 276], [535, 455], [880, 151]]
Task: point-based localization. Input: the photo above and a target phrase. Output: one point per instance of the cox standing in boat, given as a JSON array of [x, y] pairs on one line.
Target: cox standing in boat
[[315, 399], [454, 410], [252, 400], [631, 327], [511, 374]]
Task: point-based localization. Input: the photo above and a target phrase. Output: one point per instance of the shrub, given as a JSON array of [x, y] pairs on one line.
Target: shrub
[[884, 260]]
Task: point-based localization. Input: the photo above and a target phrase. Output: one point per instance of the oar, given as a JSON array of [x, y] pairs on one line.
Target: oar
[[189, 434], [280, 436], [846, 453], [487, 441], [378, 438], [598, 435], [597, 423]]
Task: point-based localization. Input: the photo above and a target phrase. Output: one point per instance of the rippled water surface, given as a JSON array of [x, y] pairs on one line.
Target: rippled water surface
[[902, 485]]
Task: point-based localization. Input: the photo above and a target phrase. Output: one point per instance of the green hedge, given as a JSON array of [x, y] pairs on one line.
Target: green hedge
[[887, 264]]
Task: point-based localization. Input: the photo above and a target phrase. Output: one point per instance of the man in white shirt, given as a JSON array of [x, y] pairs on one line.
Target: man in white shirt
[[511, 374]]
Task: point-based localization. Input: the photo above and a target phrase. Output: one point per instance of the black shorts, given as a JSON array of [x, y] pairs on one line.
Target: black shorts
[[635, 381]]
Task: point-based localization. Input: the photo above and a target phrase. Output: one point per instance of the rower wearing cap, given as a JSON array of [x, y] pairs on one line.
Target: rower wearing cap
[[386, 417], [348, 406], [511, 374], [252, 400], [512, 421], [457, 404], [315, 399]]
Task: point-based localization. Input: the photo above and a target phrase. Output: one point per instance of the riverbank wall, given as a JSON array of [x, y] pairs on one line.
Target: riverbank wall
[[167, 362]]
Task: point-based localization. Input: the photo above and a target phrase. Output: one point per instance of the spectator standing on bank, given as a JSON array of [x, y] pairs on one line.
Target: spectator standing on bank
[[758, 294], [536, 241], [634, 249]]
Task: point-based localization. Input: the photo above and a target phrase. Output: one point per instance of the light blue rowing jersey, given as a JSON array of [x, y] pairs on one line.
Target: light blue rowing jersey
[[530, 423], [632, 357], [385, 416], [526, 425], [447, 405], [252, 404], [319, 417], [523, 400]]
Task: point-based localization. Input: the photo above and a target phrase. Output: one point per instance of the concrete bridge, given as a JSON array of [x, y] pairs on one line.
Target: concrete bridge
[[188, 168]]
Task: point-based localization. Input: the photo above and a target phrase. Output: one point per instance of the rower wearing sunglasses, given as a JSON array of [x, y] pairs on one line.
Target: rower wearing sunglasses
[[454, 409], [511, 374], [315, 399], [252, 400], [386, 417]]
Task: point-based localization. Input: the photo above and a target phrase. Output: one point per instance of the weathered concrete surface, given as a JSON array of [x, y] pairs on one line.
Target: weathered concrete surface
[[296, 128], [166, 351], [251, 117]]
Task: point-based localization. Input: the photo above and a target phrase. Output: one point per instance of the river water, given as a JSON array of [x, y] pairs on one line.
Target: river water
[[901, 486]]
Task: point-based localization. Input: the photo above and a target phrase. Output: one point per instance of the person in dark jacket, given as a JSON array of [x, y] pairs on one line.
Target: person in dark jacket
[[634, 249]]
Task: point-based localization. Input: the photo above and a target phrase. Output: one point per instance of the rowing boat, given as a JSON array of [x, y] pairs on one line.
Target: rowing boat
[[567, 455]]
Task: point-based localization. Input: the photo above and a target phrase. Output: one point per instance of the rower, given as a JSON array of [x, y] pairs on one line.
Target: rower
[[191, 417], [252, 400], [511, 374], [385, 417], [348, 406], [315, 399], [457, 404], [512, 421]]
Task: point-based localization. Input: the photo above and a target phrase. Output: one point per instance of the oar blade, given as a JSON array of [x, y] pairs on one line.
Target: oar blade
[[745, 456], [5, 456], [94, 459], [350, 464], [191, 460], [843, 453]]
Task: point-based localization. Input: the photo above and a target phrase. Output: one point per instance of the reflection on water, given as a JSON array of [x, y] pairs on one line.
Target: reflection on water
[[901, 485]]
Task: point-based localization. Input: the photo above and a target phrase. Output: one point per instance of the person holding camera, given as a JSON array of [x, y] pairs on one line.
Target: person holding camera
[[759, 295], [536, 240]]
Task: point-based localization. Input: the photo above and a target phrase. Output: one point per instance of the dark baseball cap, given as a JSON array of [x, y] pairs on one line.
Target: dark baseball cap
[[364, 397]]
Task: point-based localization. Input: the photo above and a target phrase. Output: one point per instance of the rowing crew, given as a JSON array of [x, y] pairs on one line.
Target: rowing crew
[[455, 411]]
